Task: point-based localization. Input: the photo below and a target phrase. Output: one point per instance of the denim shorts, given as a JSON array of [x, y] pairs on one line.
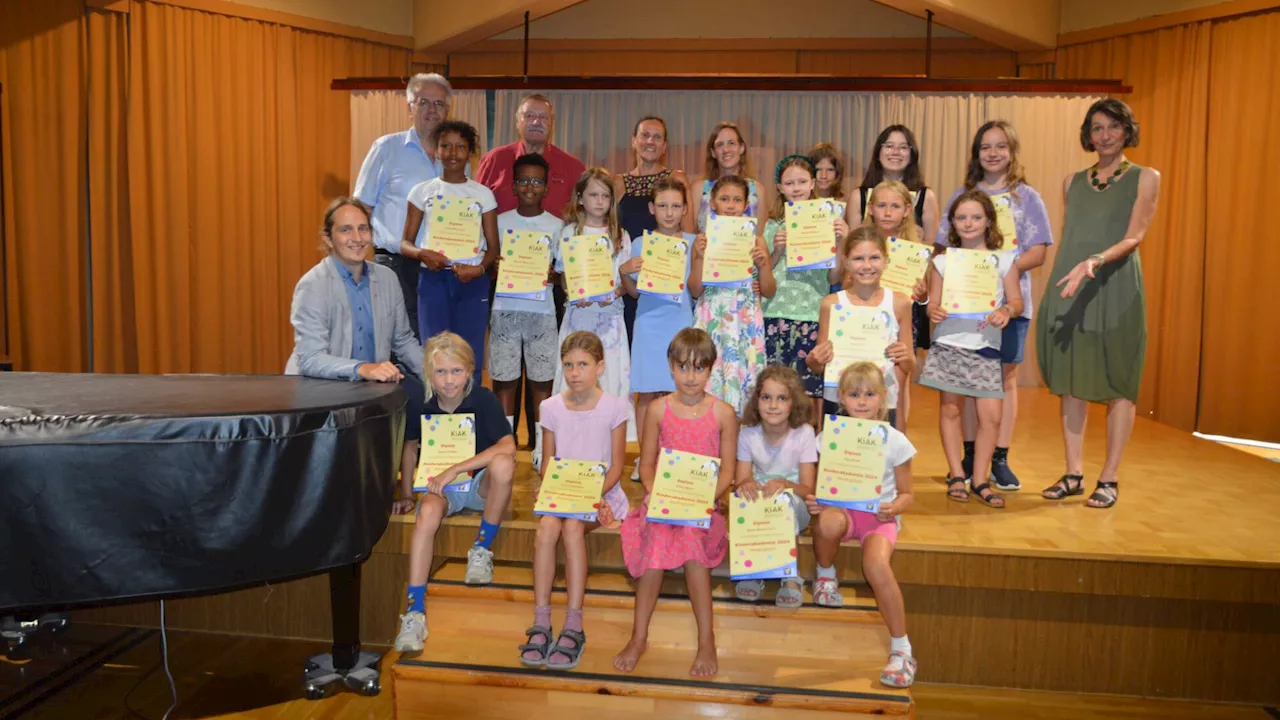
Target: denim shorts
[[1012, 339], [467, 500]]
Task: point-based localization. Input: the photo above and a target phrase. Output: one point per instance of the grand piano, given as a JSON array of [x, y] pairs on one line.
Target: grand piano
[[122, 488]]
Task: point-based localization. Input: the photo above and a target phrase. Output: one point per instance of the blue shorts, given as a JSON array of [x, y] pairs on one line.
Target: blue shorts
[[1012, 339], [468, 500], [447, 303]]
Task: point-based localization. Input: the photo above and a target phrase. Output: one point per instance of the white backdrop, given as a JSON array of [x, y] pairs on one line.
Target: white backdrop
[[596, 126]]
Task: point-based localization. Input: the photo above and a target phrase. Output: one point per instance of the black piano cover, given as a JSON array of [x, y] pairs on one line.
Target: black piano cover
[[118, 487]]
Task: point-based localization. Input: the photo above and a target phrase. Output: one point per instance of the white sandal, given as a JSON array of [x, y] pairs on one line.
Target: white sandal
[[748, 590]]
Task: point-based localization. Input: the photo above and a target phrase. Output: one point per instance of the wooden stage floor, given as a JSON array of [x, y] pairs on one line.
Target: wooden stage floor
[[1182, 499]]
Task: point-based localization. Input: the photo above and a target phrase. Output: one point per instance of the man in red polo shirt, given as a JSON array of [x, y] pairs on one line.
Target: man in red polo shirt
[[534, 119]]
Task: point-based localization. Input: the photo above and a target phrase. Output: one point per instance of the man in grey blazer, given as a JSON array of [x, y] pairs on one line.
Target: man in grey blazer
[[348, 316]]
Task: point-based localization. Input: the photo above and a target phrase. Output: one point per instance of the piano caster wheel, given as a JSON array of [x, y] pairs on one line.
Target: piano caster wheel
[[319, 675], [15, 648]]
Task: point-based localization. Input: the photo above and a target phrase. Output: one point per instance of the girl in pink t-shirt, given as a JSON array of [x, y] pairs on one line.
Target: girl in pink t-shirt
[[579, 423]]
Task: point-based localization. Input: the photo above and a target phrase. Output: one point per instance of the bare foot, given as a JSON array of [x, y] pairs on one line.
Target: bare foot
[[630, 655], [705, 663]]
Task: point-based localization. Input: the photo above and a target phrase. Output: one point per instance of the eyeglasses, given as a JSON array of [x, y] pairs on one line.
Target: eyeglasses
[[437, 104], [530, 182], [896, 148]]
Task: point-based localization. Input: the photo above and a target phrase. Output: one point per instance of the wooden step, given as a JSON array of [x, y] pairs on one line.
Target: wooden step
[[781, 663], [609, 588]]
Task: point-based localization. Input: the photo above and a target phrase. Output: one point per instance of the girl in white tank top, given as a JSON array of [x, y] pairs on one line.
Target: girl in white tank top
[[864, 254]]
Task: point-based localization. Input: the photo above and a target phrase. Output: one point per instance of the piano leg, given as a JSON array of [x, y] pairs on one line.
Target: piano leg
[[358, 670]]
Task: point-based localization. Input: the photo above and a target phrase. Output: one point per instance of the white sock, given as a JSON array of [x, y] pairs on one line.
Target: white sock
[[827, 573], [902, 645], [511, 420]]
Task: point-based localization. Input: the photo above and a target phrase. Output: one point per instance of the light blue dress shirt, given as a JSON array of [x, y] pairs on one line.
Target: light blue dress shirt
[[394, 165], [364, 344]]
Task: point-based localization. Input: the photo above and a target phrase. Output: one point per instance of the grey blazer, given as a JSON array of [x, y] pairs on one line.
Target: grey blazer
[[321, 318]]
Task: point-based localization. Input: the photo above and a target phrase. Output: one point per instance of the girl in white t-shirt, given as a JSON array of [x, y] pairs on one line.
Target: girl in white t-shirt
[[593, 210], [862, 395], [453, 293], [777, 452], [964, 360]]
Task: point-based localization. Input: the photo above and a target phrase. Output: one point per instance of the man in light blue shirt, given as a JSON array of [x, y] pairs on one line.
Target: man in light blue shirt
[[395, 164]]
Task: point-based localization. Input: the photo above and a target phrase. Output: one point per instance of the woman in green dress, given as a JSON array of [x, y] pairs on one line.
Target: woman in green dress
[[1092, 331]]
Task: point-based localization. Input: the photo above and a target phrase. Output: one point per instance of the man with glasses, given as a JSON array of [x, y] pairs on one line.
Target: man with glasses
[[534, 120], [394, 165], [535, 117]]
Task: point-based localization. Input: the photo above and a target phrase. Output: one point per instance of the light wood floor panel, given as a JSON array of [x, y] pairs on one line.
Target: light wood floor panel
[[221, 677]]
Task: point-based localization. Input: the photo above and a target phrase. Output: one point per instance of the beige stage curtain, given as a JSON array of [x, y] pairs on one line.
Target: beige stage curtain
[[43, 309], [1169, 71], [375, 113], [1240, 341], [235, 145], [596, 126]]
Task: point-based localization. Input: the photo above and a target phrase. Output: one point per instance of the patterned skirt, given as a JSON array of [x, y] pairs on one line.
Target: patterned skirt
[[962, 371]]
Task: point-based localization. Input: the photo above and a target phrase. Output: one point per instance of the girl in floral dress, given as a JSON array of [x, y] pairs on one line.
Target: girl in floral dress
[[732, 315]]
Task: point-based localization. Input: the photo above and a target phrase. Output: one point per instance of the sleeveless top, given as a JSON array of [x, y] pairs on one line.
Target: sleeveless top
[[886, 365], [753, 201], [699, 435], [864, 196], [633, 206]]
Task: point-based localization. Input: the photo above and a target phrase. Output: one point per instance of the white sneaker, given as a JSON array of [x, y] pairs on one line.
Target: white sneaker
[[479, 566], [413, 632], [635, 474], [536, 458]]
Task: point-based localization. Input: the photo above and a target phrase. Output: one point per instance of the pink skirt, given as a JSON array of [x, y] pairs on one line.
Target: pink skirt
[[658, 546]]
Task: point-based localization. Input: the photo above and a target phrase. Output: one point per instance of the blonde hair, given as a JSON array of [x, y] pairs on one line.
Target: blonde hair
[[786, 376], [779, 208], [576, 216], [452, 345], [863, 234], [908, 230], [586, 341], [867, 375]]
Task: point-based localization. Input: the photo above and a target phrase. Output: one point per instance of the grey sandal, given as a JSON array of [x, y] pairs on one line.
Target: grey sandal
[[543, 648], [790, 596], [573, 653]]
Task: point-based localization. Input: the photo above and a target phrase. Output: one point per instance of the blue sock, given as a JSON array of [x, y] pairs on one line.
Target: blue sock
[[488, 531], [417, 598]]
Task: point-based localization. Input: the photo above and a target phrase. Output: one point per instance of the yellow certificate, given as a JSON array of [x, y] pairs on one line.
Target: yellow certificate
[[811, 236], [907, 262], [730, 240], [762, 538], [852, 463], [857, 333], [571, 489], [526, 256], [1004, 218], [971, 283], [666, 265], [446, 441], [455, 228], [684, 489], [588, 267]]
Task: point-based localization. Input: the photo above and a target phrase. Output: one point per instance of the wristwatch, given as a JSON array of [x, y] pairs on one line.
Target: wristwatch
[[1101, 260]]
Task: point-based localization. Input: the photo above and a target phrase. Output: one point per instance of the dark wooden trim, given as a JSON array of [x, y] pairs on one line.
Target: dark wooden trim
[[797, 83]]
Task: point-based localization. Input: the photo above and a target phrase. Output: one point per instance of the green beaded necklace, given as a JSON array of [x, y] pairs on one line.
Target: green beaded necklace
[[1103, 185]]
